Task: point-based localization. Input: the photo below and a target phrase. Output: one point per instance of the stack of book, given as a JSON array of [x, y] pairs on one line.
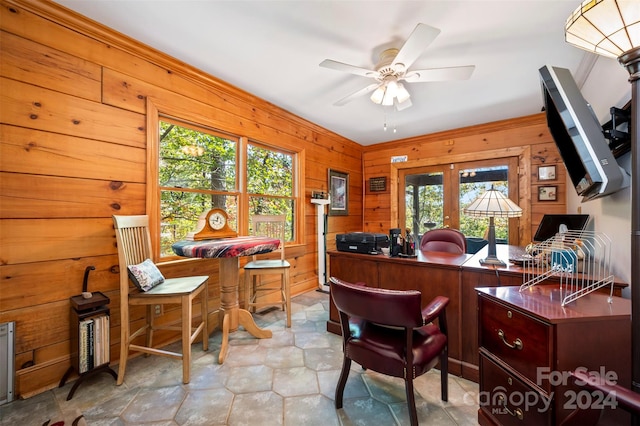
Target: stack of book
[[93, 343]]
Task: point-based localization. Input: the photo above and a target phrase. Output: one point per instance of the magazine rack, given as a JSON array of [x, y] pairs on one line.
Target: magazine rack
[[580, 259]]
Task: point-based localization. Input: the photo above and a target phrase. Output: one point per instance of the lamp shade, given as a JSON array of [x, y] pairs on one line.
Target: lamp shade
[[493, 203], [377, 95], [605, 27], [403, 94]]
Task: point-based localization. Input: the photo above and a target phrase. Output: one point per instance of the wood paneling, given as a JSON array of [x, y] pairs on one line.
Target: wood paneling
[[29, 106], [43, 153], [527, 138]]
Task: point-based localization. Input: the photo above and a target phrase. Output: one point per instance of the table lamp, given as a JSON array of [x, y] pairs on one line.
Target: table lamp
[[493, 204]]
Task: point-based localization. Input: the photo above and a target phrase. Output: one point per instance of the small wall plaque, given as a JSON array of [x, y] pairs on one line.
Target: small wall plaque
[[377, 184]]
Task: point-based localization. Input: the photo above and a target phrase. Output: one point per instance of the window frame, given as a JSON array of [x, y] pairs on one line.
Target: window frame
[[157, 113]]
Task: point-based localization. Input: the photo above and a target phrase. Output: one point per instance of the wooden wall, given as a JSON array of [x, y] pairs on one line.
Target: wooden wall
[[73, 152], [525, 137]]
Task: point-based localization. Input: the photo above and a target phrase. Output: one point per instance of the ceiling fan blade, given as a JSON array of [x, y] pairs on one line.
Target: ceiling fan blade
[[440, 74], [361, 92], [404, 105], [352, 69], [420, 38]]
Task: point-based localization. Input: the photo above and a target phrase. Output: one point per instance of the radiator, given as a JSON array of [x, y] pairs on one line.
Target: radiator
[[7, 356]]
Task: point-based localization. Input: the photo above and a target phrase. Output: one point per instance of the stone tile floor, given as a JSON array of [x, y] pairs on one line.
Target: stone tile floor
[[289, 379]]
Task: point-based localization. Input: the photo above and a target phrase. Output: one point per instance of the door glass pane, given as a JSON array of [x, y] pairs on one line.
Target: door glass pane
[[424, 203], [473, 183]]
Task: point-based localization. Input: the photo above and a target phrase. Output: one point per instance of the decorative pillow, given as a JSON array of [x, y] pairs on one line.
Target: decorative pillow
[[145, 275]]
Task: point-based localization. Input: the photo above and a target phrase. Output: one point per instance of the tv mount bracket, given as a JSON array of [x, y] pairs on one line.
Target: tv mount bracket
[[618, 135]]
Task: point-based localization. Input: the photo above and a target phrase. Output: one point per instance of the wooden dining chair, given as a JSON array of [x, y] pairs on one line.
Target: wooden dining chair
[[259, 292], [134, 256]]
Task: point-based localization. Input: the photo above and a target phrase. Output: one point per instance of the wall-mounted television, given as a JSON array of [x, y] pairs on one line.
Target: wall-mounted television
[[590, 164]]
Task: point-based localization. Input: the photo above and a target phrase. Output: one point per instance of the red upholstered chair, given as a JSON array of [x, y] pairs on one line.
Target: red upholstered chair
[[444, 239], [387, 331], [625, 398]]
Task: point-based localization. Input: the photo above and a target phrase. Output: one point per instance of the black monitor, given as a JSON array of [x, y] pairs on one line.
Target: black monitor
[[577, 133], [550, 225]]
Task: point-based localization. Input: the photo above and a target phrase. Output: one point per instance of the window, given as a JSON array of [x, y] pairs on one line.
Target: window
[[200, 168], [270, 184], [197, 171], [473, 183]]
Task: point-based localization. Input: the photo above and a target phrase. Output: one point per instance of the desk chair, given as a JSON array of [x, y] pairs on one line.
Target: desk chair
[[624, 397], [257, 293], [444, 239], [388, 332], [134, 247]]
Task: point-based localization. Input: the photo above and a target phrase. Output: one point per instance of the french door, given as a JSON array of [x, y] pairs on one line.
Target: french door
[[435, 196]]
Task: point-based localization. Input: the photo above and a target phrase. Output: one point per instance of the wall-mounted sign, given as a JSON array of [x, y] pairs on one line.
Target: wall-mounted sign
[[398, 158], [378, 184]]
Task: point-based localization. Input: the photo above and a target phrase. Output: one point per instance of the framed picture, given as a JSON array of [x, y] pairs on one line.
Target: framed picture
[[547, 172], [339, 193], [378, 184], [547, 193]]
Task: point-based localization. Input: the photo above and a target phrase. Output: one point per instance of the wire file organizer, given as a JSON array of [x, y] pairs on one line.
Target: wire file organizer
[[581, 260]]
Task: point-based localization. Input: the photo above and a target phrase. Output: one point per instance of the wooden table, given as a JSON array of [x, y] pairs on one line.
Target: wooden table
[[228, 251]]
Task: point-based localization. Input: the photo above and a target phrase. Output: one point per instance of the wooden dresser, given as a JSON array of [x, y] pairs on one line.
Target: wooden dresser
[[528, 345]]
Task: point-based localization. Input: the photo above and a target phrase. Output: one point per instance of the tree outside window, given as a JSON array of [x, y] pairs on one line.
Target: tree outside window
[[197, 172], [270, 184]]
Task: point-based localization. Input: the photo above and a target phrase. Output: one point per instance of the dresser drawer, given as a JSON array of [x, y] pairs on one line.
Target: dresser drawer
[[509, 401], [519, 340]]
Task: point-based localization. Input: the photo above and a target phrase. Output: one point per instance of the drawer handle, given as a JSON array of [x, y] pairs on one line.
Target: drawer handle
[[515, 413], [517, 344]]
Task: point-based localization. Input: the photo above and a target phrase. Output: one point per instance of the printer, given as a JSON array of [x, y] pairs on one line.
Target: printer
[[361, 242]]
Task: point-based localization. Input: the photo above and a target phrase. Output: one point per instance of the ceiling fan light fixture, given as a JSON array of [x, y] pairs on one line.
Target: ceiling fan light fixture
[[402, 94], [378, 95], [392, 87], [388, 99]]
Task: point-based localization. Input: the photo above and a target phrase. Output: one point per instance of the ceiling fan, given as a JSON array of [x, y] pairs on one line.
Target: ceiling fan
[[393, 68]]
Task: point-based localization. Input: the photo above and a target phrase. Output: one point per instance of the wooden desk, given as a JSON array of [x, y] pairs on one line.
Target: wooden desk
[[228, 251], [437, 274], [432, 273]]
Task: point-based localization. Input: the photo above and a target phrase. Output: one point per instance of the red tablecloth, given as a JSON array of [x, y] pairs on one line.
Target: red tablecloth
[[226, 247]]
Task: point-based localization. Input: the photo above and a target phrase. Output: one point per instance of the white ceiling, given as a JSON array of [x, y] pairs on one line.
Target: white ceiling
[[272, 49]]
